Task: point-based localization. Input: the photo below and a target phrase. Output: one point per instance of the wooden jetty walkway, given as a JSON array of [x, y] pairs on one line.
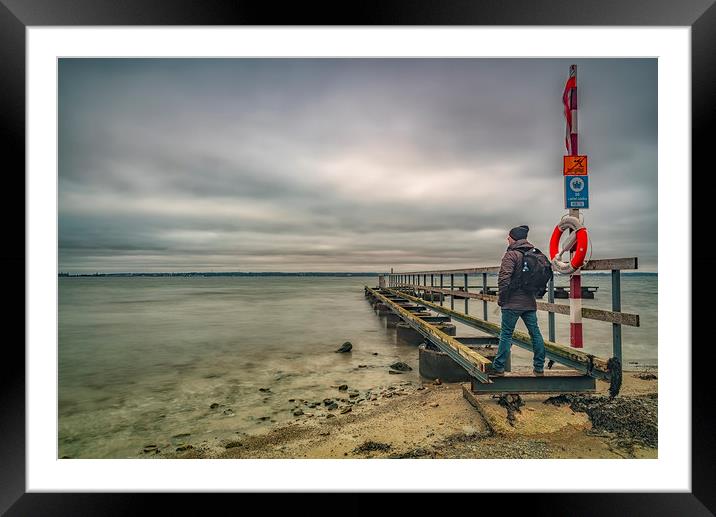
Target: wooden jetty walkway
[[403, 299]]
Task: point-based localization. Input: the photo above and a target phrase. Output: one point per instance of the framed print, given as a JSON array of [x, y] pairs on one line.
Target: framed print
[[206, 188]]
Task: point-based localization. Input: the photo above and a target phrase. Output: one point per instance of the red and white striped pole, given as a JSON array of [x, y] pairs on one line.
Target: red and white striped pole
[[575, 280]]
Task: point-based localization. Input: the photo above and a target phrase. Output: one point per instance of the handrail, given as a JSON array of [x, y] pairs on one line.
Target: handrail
[[592, 265]]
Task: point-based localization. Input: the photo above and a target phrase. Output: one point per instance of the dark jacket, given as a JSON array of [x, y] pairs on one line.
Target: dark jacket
[[517, 299]]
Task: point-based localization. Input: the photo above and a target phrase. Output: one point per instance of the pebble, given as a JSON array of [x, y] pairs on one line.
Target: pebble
[[298, 412], [265, 389], [343, 387], [346, 409], [332, 406], [345, 347], [469, 430], [437, 382], [214, 405], [328, 402], [435, 404]]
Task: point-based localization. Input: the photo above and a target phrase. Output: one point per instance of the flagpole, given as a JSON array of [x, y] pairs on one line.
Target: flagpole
[[575, 279]]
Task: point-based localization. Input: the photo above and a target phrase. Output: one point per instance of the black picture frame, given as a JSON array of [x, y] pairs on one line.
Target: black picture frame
[[16, 15]]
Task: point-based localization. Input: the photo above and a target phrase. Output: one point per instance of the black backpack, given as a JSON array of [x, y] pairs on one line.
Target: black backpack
[[533, 274]]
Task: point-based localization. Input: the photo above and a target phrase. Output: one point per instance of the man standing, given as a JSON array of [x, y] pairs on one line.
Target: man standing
[[517, 303]]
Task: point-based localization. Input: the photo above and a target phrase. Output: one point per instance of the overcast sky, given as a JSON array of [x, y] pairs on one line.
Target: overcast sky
[[344, 164]]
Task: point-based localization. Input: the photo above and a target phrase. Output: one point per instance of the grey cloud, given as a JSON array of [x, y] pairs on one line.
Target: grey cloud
[[343, 164]]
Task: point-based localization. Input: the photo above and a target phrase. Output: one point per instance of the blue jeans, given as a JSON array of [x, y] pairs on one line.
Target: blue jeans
[[509, 320]]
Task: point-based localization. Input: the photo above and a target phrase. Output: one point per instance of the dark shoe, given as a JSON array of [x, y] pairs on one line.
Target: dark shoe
[[498, 373], [538, 373]]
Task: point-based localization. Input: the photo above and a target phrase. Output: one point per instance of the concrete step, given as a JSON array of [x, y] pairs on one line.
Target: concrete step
[[525, 381]]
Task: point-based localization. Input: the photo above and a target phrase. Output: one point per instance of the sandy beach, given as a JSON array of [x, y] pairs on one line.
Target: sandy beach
[[430, 420]]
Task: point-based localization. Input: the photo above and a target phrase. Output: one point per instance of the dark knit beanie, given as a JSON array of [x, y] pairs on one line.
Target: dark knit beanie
[[519, 232]]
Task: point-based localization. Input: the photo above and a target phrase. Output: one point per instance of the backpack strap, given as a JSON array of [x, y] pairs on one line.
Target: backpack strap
[[515, 279]]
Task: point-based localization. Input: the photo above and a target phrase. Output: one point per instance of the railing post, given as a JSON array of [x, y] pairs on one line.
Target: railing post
[[452, 286], [617, 307], [484, 292], [441, 286], [550, 316], [466, 298]]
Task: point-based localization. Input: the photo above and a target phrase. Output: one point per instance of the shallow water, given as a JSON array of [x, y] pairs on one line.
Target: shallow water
[[141, 360]]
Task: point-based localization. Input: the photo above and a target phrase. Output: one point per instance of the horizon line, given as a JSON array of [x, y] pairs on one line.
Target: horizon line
[[64, 273]]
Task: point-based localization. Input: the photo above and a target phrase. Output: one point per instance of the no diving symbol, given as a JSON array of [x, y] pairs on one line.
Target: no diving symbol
[[576, 184]]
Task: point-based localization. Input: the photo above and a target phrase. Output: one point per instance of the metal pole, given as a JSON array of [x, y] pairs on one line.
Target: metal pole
[[452, 286], [484, 291], [617, 307], [550, 316], [575, 280], [466, 298]]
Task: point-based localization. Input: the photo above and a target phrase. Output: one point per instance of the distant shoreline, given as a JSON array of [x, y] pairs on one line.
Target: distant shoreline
[[228, 273], [278, 273]]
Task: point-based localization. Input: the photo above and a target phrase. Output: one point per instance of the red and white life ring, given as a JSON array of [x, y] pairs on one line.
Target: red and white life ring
[[577, 242]]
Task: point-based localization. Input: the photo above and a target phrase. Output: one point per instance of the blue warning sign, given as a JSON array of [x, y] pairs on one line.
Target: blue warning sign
[[576, 191]]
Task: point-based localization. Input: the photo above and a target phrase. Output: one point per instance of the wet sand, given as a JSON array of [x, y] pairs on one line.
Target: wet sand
[[408, 420]]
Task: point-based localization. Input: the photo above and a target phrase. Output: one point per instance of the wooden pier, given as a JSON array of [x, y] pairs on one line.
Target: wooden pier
[[405, 298], [395, 302]]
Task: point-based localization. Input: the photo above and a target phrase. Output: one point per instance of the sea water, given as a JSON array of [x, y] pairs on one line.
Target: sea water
[[142, 360]]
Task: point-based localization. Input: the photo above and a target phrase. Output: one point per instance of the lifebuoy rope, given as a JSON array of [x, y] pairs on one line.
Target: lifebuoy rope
[[578, 239]]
